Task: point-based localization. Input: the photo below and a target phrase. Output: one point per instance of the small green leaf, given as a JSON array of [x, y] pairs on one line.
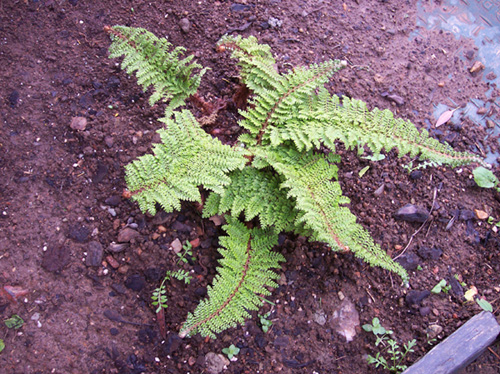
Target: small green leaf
[[439, 287], [376, 157], [368, 327], [363, 171], [484, 177], [2, 345], [485, 305], [14, 322]]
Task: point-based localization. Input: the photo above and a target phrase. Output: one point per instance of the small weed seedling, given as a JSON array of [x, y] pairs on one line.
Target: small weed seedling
[[159, 294], [187, 250], [14, 322], [396, 355], [441, 286], [430, 341], [265, 322], [231, 351], [2, 345]]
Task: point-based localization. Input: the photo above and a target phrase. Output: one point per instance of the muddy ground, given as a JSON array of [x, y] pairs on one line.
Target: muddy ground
[[86, 302]]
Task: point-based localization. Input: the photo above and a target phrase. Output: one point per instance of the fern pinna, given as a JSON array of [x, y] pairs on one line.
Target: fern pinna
[[275, 172]]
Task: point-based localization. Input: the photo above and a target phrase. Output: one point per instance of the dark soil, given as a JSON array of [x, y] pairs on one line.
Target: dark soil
[[87, 308]]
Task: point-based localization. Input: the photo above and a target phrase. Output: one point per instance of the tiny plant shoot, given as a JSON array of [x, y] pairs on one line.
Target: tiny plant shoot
[[281, 174]]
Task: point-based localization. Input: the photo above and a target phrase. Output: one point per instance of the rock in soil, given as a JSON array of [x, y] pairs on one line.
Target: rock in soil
[[414, 298], [215, 363], [56, 258], [79, 233], [412, 213], [79, 123], [185, 25], [127, 234], [409, 261], [135, 282], [94, 254], [346, 319], [429, 253]]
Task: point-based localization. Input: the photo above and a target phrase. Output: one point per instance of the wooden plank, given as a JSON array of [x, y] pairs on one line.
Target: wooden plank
[[460, 348]]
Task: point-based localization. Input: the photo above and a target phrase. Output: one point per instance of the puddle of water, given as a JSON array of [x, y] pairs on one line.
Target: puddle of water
[[478, 20]]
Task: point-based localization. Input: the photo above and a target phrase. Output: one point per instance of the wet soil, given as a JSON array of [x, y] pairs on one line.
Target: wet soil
[[86, 301]]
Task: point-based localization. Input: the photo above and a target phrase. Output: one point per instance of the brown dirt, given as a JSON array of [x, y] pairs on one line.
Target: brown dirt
[[60, 190]]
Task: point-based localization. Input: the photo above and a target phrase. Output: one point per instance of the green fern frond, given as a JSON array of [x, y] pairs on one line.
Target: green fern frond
[[147, 55], [244, 274], [186, 158], [257, 193], [324, 119], [257, 64], [309, 180]]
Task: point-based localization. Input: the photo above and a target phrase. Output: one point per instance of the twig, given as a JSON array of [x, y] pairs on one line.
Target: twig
[[493, 352], [420, 228]]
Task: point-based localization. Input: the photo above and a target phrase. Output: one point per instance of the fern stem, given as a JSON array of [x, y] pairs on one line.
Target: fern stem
[[186, 332], [331, 231]]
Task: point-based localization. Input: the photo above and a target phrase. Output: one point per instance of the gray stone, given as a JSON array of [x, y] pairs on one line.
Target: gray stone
[[185, 25], [94, 254], [409, 261], [412, 213], [117, 247], [345, 320], [215, 363], [319, 317]]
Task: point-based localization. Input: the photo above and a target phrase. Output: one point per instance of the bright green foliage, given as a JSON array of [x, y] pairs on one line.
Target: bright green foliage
[[147, 55], [244, 274], [308, 176], [231, 351], [276, 172], [485, 177], [186, 158], [258, 193]]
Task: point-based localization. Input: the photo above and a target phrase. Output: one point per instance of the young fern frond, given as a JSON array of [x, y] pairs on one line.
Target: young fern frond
[[172, 78], [257, 64], [257, 193], [308, 176], [186, 158], [244, 274]]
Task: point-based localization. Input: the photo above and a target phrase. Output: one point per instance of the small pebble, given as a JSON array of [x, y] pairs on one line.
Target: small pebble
[[185, 25], [127, 234], [114, 331], [79, 123]]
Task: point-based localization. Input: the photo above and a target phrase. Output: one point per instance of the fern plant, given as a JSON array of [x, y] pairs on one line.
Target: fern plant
[[275, 172]]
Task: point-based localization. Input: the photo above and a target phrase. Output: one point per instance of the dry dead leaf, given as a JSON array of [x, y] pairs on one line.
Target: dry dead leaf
[[445, 117], [470, 293]]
